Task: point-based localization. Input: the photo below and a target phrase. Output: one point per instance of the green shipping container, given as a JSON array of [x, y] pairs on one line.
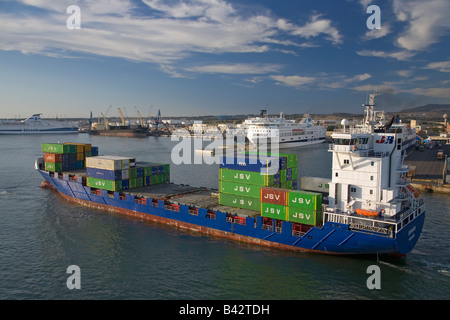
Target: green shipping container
[[53, 166], [283, 176], [55, 148], [275, 211], [241, 189], [139, 182], [239, 202], [133, 182], [289, 185], [104, 184], [294, 173], [305, 200], [304, 216], [246, 177], [132, 173]]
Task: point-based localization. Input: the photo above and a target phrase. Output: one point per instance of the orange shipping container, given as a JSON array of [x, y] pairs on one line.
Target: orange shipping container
[[273, 195], [53, 157]]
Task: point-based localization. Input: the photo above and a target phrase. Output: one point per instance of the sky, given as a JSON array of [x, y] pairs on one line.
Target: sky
[[220, 57]]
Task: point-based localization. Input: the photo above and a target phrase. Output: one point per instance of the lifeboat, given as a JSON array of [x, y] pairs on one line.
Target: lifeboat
[[413, 190], [367, 213]]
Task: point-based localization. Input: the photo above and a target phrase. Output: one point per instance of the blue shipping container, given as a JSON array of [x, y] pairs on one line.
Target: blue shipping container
[[79, 164], [139, 172], [111, 175], [283, 162], [250, 163]]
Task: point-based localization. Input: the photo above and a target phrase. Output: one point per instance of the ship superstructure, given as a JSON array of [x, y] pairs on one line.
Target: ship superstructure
[[369, 185]]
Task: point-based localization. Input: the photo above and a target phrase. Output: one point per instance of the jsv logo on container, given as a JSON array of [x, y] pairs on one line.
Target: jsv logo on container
[[273, 211], [272, 197], [301, 215], [300, 200]]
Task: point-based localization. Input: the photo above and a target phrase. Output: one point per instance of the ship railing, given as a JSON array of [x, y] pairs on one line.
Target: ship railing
[[297, 233], [358, 223], [353, 130], [357, 151], [387, 226]]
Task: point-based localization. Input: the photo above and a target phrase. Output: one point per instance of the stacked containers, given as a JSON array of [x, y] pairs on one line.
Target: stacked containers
[[273, 203], [109, 172], [291, 205], [59, 157], [241, 179], [152, 173], [304, 207], [121, 173]]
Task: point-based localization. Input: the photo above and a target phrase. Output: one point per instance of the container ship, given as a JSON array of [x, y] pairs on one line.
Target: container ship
[[370, 209]]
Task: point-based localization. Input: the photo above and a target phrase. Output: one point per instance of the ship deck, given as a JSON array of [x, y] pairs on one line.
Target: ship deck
[[180, 194], [188, 195]]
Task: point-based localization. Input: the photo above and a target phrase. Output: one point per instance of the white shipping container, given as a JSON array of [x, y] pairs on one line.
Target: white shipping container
[[125, 174], [108, 162], [315, 184]]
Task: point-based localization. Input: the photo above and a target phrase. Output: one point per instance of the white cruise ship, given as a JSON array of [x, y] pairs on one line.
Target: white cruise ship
[[36, 125], [290, 134]]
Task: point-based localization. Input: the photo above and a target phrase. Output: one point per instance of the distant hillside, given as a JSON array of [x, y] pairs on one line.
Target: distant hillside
[[428, 108]]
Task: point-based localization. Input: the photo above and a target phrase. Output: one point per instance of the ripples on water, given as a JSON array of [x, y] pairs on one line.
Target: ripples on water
[[124, 258]]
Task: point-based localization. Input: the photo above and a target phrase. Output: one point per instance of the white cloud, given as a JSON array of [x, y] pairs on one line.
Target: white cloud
[[359, 77], [317, 26], [443, 66], [432, 92], [236, 68], [372, 34], [292, 81], [170, 32], [404, 73], [341, 81], [399, 55], [384, 88], [427, 22]]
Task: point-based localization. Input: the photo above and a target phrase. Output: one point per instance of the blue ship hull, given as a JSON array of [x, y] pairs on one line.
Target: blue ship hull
[[331, 238]]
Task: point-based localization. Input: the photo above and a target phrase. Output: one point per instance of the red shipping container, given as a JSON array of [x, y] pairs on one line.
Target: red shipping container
[[53, 157], [273, 195]]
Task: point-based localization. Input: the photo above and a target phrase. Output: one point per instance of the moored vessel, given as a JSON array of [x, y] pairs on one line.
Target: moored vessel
[[36, 125], [287, 133]]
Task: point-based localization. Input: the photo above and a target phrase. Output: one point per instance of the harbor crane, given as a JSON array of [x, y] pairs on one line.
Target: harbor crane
[[122, 117]]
